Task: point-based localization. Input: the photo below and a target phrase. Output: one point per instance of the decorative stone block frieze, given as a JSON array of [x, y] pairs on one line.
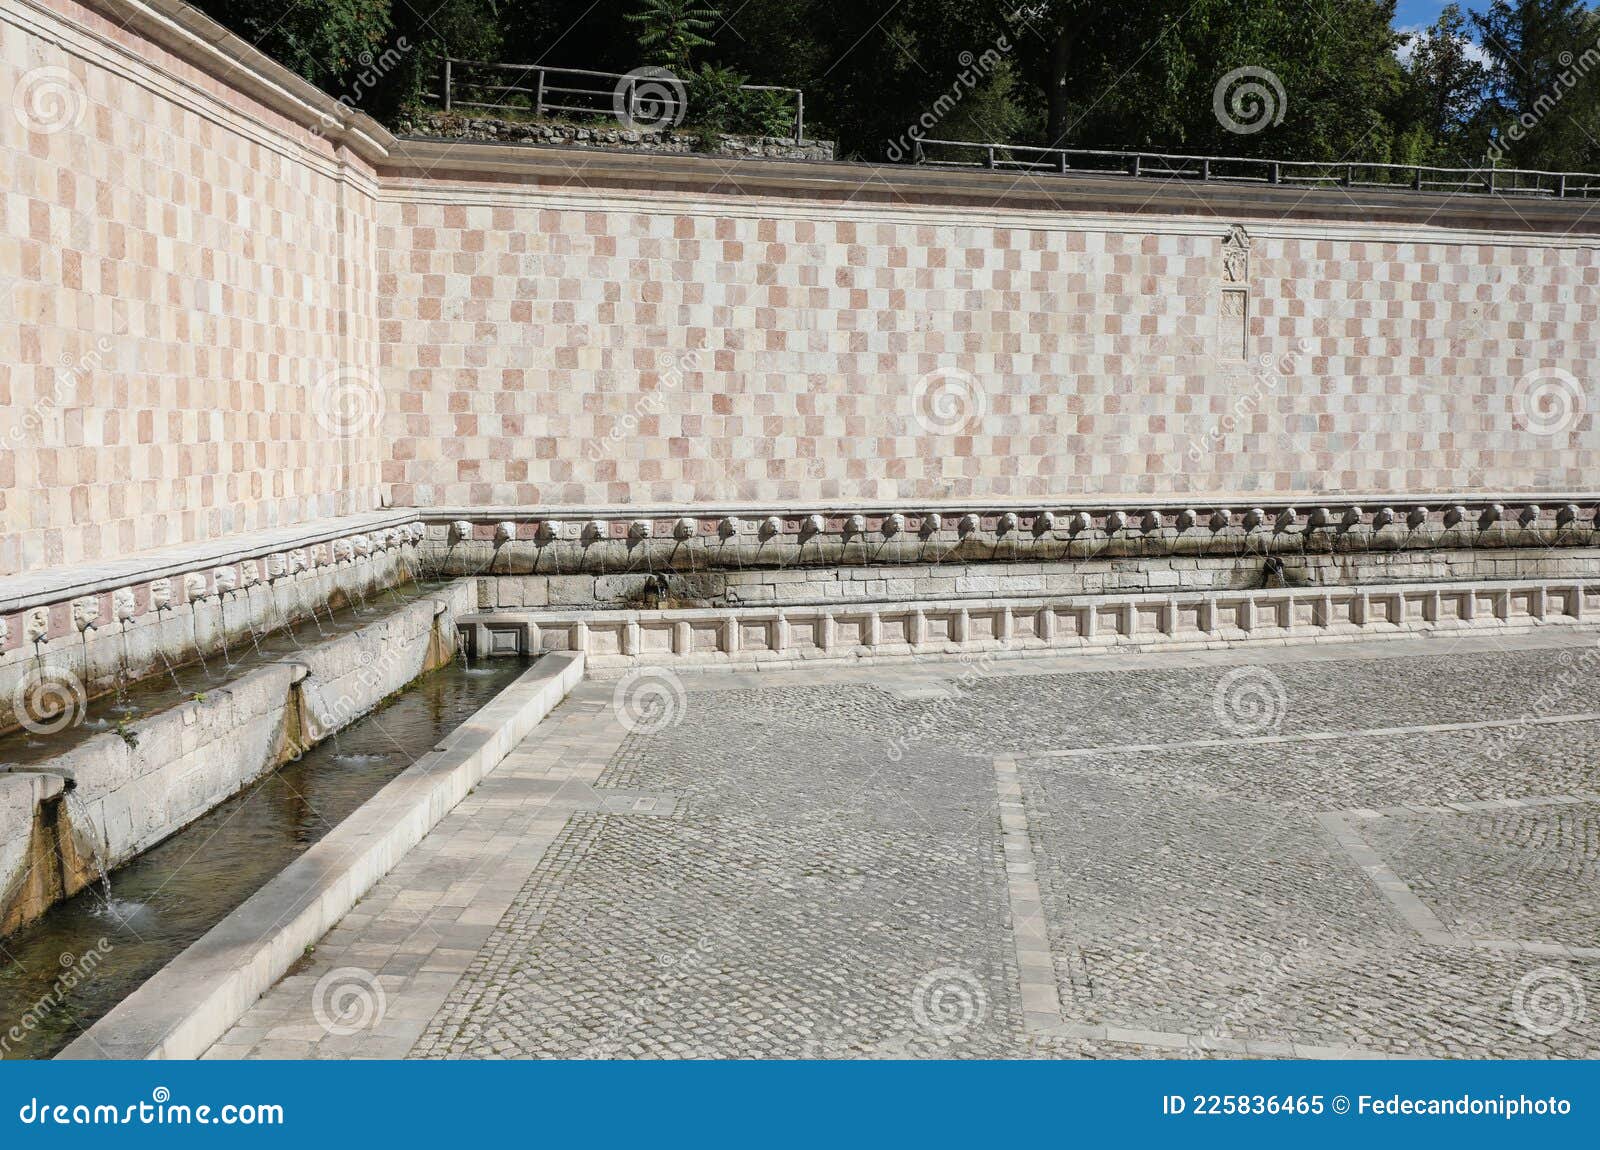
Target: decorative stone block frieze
[[751, 635], [625, 542]]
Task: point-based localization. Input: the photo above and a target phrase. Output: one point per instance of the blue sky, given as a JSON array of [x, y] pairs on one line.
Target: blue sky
[[1412, 13]]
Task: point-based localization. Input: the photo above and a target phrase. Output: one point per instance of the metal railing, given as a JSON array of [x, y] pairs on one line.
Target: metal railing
[[1487, 180], [539, 91]]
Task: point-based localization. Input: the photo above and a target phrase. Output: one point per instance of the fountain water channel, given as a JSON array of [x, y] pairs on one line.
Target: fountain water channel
[[62, 972], [132, 701]]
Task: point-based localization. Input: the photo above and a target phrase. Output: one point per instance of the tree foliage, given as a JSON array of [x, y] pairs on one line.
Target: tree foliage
[[1543, 67], [670, 31], [1517, 83]]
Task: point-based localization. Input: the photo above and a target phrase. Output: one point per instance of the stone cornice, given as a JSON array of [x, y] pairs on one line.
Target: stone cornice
[[1098, 504], [695, 540], [196, 38], [414, 165]]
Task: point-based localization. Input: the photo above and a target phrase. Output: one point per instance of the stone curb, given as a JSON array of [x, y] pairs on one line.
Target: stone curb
[[185, 1007], [857, 631]]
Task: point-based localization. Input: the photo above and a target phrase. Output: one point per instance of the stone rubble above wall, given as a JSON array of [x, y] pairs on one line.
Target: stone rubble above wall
[[454, 126]]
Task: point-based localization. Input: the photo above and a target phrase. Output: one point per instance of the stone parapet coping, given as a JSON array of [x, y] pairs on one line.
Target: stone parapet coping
[[18, 592], [192, 35], [186, 1006], [51, 585], [1137, 526], [1093, 502], [860, 189], [858, 631]]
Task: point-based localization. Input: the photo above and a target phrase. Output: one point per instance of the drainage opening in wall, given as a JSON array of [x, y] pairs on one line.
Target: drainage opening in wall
[[65, 970]]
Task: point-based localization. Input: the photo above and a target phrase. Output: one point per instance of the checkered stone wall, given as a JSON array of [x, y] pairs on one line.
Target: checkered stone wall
[[576, 347], [186, 302]]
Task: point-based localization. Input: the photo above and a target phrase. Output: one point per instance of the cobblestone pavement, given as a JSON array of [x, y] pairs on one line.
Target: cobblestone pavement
[[1389, 849]]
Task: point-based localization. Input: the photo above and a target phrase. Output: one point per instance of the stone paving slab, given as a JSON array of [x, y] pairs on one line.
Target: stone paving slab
[[395, 957], [1016, 860]]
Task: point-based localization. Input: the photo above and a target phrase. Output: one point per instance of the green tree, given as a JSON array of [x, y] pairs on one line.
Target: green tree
[[324, 42], [1543, 72], [669, 30], [1439, 117], [465, 29], [1098, 73]]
